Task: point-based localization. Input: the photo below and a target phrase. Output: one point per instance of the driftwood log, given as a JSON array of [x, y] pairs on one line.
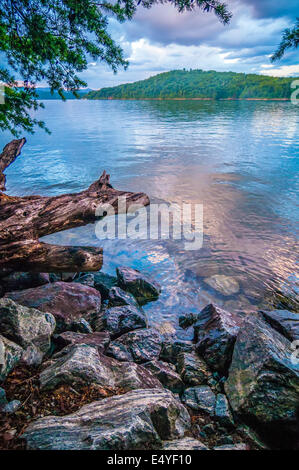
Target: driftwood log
[[23, 220]]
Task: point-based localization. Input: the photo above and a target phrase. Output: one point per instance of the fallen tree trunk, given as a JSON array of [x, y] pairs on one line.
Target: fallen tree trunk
[[23, 220]]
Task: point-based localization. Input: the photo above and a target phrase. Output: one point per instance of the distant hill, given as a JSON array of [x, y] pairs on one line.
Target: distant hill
[[199, 84], [45, 94]]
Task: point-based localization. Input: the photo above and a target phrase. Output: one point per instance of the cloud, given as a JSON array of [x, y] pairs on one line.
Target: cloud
[[283, 71]]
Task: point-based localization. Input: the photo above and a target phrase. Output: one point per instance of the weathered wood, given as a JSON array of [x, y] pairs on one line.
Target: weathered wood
[[23, 220]]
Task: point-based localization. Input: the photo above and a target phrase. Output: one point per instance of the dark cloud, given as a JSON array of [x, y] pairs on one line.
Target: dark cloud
[[273, 8]]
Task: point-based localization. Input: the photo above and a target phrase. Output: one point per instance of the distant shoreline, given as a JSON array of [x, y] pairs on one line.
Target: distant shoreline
[[185, 99]]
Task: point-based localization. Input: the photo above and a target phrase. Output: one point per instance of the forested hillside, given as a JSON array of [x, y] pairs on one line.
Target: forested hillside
[[199, 84]]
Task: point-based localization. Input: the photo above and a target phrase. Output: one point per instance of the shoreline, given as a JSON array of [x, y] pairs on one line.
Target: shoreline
[[186, 99]]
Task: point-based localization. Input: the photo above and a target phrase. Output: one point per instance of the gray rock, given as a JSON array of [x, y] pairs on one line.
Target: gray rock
[[21, 280], [139, 284], [226, 285], [263, 382], [87, 279], [3, 400], [232, 447], [187, 320], [28, 327], [171, 350], [140, 346], [98, 339], [187, 443], [222, 411], [10, 355], [192, 369], [81, 326], [82, 364], [284, 321], [200, 398], [103, 283], [215, 333], [11, 407], [168, 377], [137, 420], [117, 297], [120, 320]]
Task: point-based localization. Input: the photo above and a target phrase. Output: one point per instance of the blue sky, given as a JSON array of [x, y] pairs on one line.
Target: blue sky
[[161, 39]]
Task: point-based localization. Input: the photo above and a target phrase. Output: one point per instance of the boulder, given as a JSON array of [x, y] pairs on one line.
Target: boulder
[[166, 375], [118, 297], [284, 321], [215, 333], [263, 382], [98, 339], [20, 281], [240, 446], [120, 320], [83, 364], [3, 399], [81, 326], [222, 411], [225, 285], [200, 398], [66, 301], [172, 348], [87, 279], [187, 320], [140, 346], [139, 284], [10, 355], [103, 283], [137, 420], [29, 328], [187, 443], [192, 369]]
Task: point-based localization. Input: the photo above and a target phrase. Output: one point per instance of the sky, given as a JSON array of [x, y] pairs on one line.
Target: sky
[[161, 39]]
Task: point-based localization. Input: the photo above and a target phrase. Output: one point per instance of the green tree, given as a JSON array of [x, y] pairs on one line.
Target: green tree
[[290, 40], [53, 40]]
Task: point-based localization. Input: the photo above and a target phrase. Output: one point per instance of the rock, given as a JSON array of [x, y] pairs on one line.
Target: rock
[[225, 440], [200, 398], [103, 283], [20, 281], [284, 321], [10, 355], [232, 447], [222, 411], [87, 279], [166, 329], [171, 350], [192, 369], [118, 297], [215, 333], [27, 327], [120, 320], [263, 382], [68, 277], [137, 420], [98, 339], [82, 364], [168, 377], [187, 320], [225, 285], [66, 301], [81, 326], [11, 407], [187, 443], [3, 400], [138, 346], [140, 285]]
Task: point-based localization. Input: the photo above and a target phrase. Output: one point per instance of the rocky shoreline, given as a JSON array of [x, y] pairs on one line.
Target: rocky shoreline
[[81, 368]]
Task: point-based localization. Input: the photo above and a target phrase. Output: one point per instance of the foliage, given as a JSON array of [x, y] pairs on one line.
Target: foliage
[[290, 40], [53, 40], [199, 84]]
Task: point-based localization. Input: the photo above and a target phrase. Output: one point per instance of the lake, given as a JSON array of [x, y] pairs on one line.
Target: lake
[[238, 159]]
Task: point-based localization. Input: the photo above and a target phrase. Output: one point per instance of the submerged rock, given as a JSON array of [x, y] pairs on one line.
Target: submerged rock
[[226, 285], [215, 333], [10, 355], [138, 420], [28, 327], [118, 297], [187, 443], [187, 320], [23, 280], [82, 364], [166, 375], [284, 321], [120, 320], [263, 382], [103, 283], [192, 369], [139, 284], [98, 339], [66, 301], [140, 346], [200, 398], [87, 279]]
